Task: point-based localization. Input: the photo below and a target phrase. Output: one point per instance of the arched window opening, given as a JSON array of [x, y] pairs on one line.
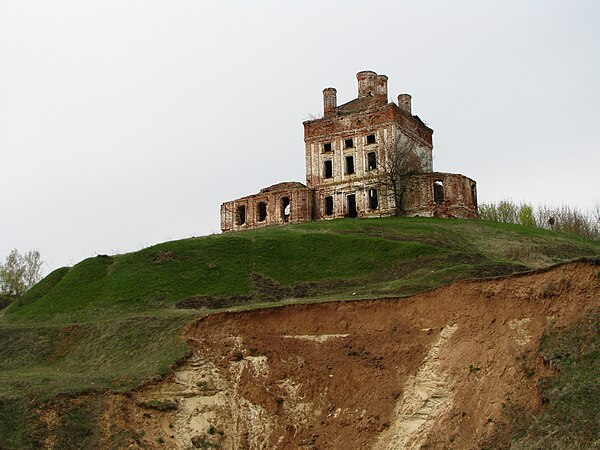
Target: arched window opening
[[438, 192], [286, 209]]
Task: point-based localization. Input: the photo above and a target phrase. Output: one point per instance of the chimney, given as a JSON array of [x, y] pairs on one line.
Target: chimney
[[404, 103], [381, 90], [366, 83], [329, 101]]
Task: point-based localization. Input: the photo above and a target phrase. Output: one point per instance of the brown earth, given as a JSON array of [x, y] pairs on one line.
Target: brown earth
[[429, 371]]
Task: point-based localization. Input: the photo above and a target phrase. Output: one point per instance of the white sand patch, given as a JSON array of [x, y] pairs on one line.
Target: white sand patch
[[315, 337], [518, 325], [426, 397]]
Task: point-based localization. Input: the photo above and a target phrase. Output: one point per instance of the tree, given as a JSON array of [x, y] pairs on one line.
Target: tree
[[526, 215], [508, 212], [20, 272], [400, 163]]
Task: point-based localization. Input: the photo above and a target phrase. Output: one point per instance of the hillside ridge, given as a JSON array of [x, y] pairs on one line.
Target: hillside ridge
[[111, 323], [438, 368]]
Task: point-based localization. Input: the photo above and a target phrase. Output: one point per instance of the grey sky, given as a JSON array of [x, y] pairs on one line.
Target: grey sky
[[127, 123]]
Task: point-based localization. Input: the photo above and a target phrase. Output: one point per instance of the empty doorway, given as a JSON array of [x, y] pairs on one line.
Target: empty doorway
[[351, 204]]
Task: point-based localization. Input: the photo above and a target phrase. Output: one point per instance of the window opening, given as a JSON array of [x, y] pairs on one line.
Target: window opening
[[328, 169], [438, 191], [286, 209], [371, 161], [349, 165], [474, 194], [262, 211], [371, 139], [327, 147], [351, 203], [328, 206], [241, 215], [349, 143], [373, 201]]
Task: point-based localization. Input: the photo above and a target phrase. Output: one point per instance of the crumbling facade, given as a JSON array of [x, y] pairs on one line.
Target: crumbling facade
[[348, 154], [289, 202]]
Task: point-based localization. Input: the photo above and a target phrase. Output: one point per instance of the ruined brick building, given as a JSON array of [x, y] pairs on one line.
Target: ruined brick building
[[346, 154]]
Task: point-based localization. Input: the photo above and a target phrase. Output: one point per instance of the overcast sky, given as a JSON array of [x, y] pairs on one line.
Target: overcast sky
[[127, 123]]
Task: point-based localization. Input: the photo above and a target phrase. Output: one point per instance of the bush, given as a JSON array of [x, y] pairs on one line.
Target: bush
[[559, 218]]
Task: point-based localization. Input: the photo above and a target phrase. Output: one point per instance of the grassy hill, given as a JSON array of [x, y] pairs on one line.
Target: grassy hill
[[111, 322]]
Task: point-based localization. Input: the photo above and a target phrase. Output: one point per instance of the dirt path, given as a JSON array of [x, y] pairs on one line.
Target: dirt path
[[433, 369]]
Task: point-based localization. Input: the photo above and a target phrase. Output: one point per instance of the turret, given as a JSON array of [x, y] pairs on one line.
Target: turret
[[329, 101], [404, 102], [381, 91], [366, 83]]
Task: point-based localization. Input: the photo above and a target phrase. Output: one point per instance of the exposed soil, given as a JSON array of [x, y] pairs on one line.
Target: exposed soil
[[428, 371]]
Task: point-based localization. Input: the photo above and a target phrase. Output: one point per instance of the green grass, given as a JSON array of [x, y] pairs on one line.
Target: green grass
[[573, 413], [387, 256], [111, 322], [39, 361], [79, 428]]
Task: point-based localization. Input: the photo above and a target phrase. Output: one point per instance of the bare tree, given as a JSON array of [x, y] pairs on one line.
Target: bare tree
[[400, 162], [20, 272]]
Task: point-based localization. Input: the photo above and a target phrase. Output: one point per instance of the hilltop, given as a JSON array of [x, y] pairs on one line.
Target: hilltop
[[326, 260], [113, 322]]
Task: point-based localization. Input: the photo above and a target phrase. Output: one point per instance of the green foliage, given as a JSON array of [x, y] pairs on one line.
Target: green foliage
[[20, 272], [507, 212], [526, 215], [559, 218]]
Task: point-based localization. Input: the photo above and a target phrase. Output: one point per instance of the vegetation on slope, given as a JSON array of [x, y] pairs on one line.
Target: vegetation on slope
[[558, 218], [376, 257], [570, 418], [111, 322]]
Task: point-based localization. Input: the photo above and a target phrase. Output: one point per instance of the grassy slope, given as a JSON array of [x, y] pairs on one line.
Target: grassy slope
[[111, 321], [370, 257]]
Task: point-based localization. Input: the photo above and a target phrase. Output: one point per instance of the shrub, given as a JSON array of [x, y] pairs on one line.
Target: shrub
[[559, 218], [161, 405]]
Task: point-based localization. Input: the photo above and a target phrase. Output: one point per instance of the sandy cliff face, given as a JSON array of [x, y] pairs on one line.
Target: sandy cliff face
[[431, 370]]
